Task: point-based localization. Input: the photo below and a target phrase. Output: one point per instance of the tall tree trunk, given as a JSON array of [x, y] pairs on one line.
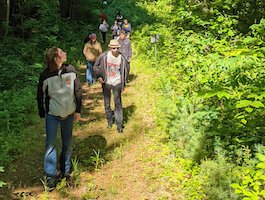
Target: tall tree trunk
[[7, 17], [71, 9]]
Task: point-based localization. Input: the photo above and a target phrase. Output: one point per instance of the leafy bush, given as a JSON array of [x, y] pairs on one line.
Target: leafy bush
[[211, 84], [252, 184]]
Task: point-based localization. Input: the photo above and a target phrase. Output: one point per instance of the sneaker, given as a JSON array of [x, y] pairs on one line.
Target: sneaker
[[109, 126], [67, 176], [51, 183], [110, 122]]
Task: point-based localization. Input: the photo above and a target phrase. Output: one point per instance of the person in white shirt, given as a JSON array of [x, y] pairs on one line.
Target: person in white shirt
[[103, 27], [110, 70]]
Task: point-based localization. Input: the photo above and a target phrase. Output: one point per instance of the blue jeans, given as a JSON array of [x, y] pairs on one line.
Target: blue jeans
[[50, 158], [89, 77]]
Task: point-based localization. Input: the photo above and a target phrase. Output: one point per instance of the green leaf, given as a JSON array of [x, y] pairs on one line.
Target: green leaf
[[262, 177], [261, 157], [238, 191], [230, 33], [263, 193], [256, 188], [247, 198], [243, 103], [234, 185], [249, 110], [247, 193], [246, 181], [249, 40], [221, 94], [1, 169], [257, 104], [244, 121], [261, 165], [257, 175], [2, 184]]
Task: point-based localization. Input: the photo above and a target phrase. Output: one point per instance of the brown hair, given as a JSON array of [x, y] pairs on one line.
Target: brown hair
[[49, 60]]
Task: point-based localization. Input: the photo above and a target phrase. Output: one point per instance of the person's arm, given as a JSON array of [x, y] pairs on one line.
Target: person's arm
[[85, 50], [129, 52], [98, 70], [78, 97], [100, 48]]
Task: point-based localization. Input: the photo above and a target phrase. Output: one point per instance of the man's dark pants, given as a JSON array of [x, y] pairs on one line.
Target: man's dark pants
[[118, 112]]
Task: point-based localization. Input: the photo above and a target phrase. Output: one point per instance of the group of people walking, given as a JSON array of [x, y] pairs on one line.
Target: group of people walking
[[119, 24], [59, 93]]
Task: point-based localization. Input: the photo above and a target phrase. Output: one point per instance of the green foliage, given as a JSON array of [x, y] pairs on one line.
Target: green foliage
[[1, 182], [211, 82], [76, 172], [16, 112], [252, 184], [217, 176], [97, 159], [35, 26]]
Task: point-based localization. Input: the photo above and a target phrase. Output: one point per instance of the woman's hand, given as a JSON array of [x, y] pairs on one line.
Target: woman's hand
[[77, 117]]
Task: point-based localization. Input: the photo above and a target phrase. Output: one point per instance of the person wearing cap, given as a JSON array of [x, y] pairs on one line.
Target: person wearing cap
[[91, 51], [110, 70], [126, 50]]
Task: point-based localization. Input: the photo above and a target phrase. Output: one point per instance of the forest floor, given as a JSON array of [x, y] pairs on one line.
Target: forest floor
[[107, 164]]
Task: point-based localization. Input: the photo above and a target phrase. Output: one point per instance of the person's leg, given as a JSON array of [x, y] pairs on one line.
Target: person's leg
[[89, 72], [128, 72], [66, 133], [106, 90], [104, 36], [118, 112], [50, 158]]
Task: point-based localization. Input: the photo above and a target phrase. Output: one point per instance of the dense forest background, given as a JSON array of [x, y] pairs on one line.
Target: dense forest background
[[210, 61]]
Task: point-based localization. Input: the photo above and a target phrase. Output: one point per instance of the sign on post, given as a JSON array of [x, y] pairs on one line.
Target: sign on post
[[154, 40]]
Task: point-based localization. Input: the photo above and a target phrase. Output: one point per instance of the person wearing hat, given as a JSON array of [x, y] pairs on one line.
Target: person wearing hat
[[91, 51], [110, 70]]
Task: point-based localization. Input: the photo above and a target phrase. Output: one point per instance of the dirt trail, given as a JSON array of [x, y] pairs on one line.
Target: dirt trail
[[120, 174]]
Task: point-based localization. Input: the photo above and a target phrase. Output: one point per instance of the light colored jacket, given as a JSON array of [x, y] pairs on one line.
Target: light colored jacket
[[59, 92], [103, 27], [92, 50]]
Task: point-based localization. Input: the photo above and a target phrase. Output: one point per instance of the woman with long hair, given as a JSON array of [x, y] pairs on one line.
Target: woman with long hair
[[59, 102]]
